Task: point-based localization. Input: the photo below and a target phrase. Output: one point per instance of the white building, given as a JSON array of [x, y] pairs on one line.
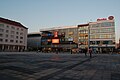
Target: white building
[[102, 34], [13, 35]]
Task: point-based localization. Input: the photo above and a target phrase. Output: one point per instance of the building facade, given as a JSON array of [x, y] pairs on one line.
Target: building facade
[[34, 41], [70, 32], [102, 35], [13, 35], [83, 36], [99, 35], [65, 35]]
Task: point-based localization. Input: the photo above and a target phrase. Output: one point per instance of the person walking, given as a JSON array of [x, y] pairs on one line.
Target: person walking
[[85, 51], [90, 52]]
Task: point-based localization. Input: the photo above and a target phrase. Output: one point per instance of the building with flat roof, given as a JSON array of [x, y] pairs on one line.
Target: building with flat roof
[[83, 36], [102, 34], [13, 35], [34, 41]]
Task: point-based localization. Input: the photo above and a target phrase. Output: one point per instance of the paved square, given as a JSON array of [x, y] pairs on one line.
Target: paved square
[[63, 66]]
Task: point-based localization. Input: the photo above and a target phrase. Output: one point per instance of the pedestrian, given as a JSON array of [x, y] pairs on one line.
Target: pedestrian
[[85, 51], [56, 51], [90, 52]]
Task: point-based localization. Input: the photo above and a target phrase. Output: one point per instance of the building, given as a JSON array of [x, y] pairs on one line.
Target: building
[[70, 32], [65, 36], [102, 35], [13, 35], [34, 41], [83, 36]]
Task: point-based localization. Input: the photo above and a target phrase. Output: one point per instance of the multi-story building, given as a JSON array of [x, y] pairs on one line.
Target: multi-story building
[[83, 36], [34, 41], [13, 35], [70, 32], [67, 37], [99, 35], [102, 34]]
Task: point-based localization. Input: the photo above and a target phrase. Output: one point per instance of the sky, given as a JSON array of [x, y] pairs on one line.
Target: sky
[[40, 14]]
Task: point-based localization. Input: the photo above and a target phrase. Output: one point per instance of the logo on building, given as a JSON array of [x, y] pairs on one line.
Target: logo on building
[[110, 17]]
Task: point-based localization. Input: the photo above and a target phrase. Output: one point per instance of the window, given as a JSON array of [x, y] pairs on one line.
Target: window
[[21, 41], [98, 42], [7, 26], [107, 24], [13, 27], [6, 40], [17, 37], [16, 41], [12, 32], [21, 33], [105, 42], [17, 28], [6, 35], [21, 37], [11, 40], [7, 31], [21, 29], [1, 40], [1, 30], [1, 35], [17, 32], [12, 36], [1, 25]]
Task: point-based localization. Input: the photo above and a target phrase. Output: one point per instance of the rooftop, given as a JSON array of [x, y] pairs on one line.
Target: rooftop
[[7, 21]]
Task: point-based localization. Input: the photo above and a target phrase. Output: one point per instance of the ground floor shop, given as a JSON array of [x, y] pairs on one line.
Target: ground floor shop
[[98, 49], [4, 47]]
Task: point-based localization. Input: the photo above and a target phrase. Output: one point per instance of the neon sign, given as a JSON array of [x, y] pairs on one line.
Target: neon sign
[[55, 34]]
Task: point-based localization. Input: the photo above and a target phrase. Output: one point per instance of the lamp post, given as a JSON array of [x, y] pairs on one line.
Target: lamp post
[[70, 48], [88, 38]]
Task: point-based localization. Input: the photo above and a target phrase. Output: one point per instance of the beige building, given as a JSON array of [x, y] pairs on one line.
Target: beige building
[[83, 36], [13, 35]]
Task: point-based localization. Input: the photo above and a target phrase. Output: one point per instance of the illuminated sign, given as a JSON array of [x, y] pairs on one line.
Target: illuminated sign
[[55, 34], [55, 40]]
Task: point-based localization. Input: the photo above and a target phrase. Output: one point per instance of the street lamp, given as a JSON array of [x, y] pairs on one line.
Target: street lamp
[[88, 38]]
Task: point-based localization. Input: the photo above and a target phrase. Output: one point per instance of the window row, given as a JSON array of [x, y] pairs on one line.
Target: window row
[[103, 24], [12, 41], [101, 42], [102, 30], [11, 36], [102, 36], [12, 27], [13, 32]]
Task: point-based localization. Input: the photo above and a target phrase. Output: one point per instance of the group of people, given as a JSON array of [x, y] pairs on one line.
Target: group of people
[[85, 51]]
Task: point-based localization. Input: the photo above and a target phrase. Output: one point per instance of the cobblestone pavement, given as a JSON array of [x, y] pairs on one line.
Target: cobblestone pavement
[[46, 66]]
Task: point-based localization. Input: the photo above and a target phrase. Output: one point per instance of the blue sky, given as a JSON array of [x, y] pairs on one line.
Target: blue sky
[[38, 14]]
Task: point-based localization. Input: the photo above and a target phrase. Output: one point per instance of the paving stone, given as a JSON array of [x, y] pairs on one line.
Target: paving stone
[[28, 65]]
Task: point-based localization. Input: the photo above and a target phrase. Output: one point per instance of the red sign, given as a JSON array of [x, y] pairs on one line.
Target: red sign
[[110, 17], [101, 19]]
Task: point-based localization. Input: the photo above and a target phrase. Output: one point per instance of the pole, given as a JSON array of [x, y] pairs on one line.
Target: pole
[[88, 38], [70, 48]]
